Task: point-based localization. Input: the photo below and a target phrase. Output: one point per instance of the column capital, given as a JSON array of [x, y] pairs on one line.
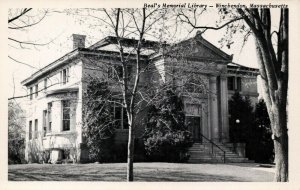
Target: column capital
[[212, 78], [223, 77]]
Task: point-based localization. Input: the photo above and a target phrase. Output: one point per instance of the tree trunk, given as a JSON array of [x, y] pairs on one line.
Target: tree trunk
[[281, 159], [279, 123], [274, 75], [130, 154]]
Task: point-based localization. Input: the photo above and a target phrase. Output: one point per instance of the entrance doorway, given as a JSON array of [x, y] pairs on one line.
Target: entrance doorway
[[194, 126]]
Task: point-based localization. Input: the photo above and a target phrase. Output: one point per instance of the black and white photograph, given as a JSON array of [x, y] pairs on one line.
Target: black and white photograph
[[149, 92]]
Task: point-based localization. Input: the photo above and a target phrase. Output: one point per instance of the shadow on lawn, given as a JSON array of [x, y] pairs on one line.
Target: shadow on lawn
[[119, 176], [20, 176], [180, 176]]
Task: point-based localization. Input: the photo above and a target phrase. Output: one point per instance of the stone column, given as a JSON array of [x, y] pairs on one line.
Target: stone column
[[203, 115], [214, 121], [224, 108]]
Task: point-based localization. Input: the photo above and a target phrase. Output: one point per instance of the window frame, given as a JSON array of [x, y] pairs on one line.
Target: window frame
[[239, 84], [49, 122], [31, 93], [64, 109], [115, 72], [30, 130], [64, 76], [36, 90], [35, 128], [231, 83], [236, 83], [44, 123], [45, 84], [120, 123]]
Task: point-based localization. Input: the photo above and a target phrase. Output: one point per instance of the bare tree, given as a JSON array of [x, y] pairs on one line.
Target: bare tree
[[273, 66], [125, 23]]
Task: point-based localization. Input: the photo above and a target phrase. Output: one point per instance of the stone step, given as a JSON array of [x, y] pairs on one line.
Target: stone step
[[214, 160], [218, 157], [205, 151], [208, 152], [201, 153], [227, 156], [203, 161]]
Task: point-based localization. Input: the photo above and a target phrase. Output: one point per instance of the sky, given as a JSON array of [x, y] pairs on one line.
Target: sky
[[56, 30]]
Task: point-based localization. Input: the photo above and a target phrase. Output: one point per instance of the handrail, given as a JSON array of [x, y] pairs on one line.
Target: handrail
[[212, 143]]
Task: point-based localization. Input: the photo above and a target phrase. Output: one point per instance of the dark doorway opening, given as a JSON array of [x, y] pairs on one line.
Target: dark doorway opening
[[194, 126]]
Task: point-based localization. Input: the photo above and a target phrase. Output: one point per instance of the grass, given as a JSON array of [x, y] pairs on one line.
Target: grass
[[142, 172]]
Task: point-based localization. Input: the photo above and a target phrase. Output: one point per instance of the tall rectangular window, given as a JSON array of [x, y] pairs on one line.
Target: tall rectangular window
[[120, 116], [231, 83], [36, 90], [30, 130], [49, 116], [234, 83], [129, 71], [45, 84], [31, 93], [44, 122], [35, 128], [64, 74], [238, 84], [67, 74], [66, 109], [61, 77], [116, 72]]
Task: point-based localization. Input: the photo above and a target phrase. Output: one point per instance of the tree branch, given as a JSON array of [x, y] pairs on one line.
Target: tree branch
[[22, 62], [29, 25], [24, 96], [208, 27], [27, 43], [20, 15]]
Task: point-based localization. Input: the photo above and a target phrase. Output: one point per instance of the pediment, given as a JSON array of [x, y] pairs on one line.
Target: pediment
[[198, 48], [201, 51]]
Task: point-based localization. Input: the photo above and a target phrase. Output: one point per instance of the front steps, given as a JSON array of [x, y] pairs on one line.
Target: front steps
[[202, 153]]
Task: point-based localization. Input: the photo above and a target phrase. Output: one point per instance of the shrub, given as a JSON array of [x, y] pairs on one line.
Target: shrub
[[166, 137], [16, 134], [254, 128], [46, 156], [240, 108], [169, 146], [261, 143]]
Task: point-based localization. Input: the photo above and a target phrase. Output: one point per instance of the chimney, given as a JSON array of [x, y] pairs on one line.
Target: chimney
[[78, 41]]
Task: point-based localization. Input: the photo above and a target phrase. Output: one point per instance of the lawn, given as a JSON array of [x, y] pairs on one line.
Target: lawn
[[142, 172]]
